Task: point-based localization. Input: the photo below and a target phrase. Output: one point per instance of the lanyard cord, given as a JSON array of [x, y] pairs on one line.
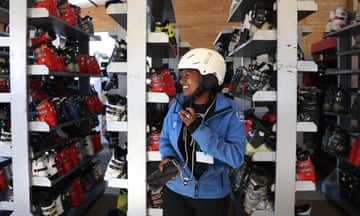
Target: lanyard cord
[[192, 144], [203, 116]]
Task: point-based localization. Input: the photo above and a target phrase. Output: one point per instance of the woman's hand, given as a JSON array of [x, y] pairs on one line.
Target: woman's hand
[[162, 163], [161, 167], [187, 115]]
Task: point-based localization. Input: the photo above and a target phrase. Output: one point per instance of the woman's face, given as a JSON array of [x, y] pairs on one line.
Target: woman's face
[[190, 81]]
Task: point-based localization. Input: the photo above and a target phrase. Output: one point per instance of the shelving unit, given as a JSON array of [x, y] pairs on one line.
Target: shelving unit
[[128, 15], [134, 14], [282, 41], [20, 16], [304, 9], [345, 72]]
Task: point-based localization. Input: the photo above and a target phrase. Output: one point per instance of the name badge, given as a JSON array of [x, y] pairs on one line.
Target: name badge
[[204, 158]]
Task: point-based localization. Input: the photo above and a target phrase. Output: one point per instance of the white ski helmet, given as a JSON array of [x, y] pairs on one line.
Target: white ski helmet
[[206, 61]]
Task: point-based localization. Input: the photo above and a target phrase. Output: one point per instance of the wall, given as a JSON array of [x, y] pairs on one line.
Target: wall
[[200, 21], [102, 22]]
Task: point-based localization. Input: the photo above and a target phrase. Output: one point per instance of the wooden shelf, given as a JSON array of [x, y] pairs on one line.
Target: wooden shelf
[[42, 17], [158, 45], [305, 9], [353, 29], [118, 11], [263, 41]]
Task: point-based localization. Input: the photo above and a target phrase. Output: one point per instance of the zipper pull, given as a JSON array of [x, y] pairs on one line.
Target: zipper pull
[[185, 182]]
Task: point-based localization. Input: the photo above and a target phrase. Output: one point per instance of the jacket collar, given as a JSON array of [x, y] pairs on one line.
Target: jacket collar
[[221, 103]]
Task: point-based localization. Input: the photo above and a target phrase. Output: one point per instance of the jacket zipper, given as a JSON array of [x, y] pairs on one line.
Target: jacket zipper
[[196, 189]]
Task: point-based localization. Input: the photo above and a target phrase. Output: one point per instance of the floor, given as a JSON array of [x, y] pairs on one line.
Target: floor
[[103, 205], [320, 205], [323, 207]]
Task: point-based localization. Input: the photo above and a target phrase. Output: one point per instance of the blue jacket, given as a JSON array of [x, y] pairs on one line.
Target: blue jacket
[[221, 135]]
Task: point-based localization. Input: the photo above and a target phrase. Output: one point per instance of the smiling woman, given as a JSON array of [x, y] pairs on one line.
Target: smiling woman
[[202, 132]]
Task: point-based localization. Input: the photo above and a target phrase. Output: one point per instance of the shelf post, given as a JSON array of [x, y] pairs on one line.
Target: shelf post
[[18, 108], [286, 106], [136, 82]]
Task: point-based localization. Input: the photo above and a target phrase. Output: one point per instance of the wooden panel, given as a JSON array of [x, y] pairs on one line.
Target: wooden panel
[[200, 21], [102, 22]]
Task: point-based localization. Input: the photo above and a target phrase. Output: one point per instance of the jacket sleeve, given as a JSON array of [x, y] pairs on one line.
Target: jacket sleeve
[[228, 144], [166, 149]]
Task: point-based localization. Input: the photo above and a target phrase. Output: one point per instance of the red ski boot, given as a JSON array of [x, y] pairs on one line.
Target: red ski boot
[[304, 168]]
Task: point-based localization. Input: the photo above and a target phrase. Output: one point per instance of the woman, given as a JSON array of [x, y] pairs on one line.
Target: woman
[[204, 132]]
